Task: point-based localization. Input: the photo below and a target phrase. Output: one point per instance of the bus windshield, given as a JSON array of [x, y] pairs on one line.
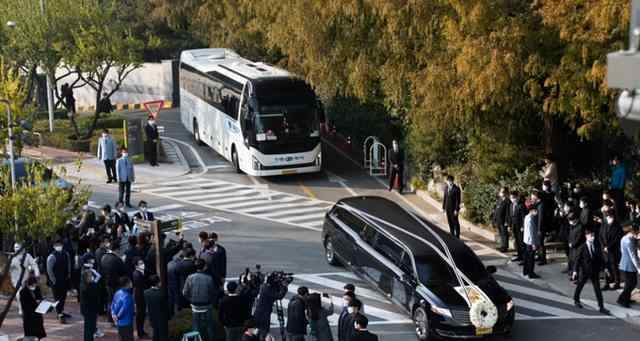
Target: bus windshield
[[286, 109], [278, 122]]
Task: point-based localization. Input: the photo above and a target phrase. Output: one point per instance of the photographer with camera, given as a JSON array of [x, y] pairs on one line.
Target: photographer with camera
[[319, 329], [272, 292], [235, 310], [297, 317]]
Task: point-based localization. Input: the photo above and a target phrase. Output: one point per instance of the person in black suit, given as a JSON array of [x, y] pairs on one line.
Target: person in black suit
[[575, 239], [151, 130], [515, 217], [588, 264], [143, 212], [610, 235], [346, 327], [156, 301], [396, 159], [451, 206], [500, 218], [361, 333], [140, 284]]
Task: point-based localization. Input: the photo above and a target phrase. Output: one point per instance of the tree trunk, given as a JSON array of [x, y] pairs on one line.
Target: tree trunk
[[5, 273], [96, 115]]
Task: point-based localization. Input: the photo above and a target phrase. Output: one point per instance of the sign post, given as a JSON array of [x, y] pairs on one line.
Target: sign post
[[153, 108]]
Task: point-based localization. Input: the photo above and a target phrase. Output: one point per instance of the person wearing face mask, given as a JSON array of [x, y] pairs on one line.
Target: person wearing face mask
[[629, 264], [250, 330], [126, 176], [22, 260], [546, 210], [143, 212], [610, 235], [121, 216], [396, 160], [575, 239], [588, 265], [550, 173], [107, 152], [617, 184], [515, 217], [140, 284], [151, 130], [122, 309], [90, 302], [586, 215], [451, 206], [531, 240], [346, 327], [32, 322], [500, 220], [59, 273], [112, 268], [155, 299]]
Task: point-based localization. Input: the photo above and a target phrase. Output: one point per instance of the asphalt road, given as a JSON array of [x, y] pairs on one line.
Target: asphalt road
[[275, 222]]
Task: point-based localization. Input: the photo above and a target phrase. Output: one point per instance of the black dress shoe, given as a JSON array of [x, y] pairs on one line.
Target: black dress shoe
[[605, 288], [541, 263], [604, 311], [578, 304], [616, 287], [533, 276], [109, 181]]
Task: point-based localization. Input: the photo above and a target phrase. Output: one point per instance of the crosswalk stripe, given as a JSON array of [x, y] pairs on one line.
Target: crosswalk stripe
[[200, 185], [165, 208], [180, 182], [296, 211], [275, 207], [333, 284], [546, 308], [222, 197], [257, 201], [208, 193], [238, 201], [304, 218], [369, 310]]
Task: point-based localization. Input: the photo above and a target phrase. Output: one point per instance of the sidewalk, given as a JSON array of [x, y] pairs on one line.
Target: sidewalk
[[92, 170], [72, 330]]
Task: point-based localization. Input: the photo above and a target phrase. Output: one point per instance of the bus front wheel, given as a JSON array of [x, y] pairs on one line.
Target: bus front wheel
[[196, 133], [234, 160]]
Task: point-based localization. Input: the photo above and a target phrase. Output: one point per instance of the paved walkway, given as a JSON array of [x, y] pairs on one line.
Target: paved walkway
[[72, 330]]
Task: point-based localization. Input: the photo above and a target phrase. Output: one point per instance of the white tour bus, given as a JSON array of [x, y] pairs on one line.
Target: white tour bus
[[262, 119]]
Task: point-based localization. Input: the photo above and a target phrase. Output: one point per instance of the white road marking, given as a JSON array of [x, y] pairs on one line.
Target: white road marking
[[316, 216], [342, 182], [165, 208], [297, 211]]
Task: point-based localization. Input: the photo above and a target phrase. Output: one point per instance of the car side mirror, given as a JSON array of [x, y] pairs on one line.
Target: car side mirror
[[491, 269]]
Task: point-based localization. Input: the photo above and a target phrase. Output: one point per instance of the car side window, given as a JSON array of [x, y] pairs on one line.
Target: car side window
[[388, 248], [350, 220], [369, 234], [406, 265]]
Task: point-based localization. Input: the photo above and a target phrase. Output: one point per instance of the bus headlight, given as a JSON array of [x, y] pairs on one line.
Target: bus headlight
[[256, 164]]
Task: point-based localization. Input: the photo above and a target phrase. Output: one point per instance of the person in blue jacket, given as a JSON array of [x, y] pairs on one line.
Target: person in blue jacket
[[616, 185], [122, 310]]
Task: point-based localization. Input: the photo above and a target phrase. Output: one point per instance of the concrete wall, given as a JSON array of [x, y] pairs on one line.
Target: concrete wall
[[153, 81]]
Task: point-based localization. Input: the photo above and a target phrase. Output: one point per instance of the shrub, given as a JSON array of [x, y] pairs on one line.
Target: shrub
[[180, 324]]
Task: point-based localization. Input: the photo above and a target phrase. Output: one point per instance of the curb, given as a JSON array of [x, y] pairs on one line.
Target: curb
[[183, 161]]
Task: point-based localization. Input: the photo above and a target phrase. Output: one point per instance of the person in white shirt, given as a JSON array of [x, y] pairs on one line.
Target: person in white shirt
[[531, 240], [22, 259]]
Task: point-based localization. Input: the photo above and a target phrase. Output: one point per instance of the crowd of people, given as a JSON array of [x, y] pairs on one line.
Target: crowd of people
[[108, 261], [590, 231]]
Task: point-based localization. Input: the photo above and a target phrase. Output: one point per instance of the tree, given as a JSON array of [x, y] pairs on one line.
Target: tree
[[36, 208], [104, 50]]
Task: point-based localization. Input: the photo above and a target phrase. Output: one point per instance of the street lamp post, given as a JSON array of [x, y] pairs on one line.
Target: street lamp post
[[11, 157], [49, 84]]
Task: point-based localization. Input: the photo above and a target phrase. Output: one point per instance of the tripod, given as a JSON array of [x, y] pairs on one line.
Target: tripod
[[280, 312]]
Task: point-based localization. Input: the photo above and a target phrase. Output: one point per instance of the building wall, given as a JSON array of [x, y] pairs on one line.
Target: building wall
[[152, 81]]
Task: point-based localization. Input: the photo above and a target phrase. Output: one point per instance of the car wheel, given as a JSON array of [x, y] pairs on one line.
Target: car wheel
[[421, 321], [196, 133], [329, 253], [234, 160]]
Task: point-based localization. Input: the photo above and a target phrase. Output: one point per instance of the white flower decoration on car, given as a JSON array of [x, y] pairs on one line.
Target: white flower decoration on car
[[483, 314]]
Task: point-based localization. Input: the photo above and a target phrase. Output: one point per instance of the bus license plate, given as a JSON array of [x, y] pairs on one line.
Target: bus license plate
[[483, 331], [289, 172]]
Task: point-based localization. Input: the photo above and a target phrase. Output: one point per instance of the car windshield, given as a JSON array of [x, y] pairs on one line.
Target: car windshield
[[433, 269]]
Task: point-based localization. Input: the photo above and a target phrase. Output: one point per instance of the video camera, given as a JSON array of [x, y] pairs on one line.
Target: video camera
[[279, 281]]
